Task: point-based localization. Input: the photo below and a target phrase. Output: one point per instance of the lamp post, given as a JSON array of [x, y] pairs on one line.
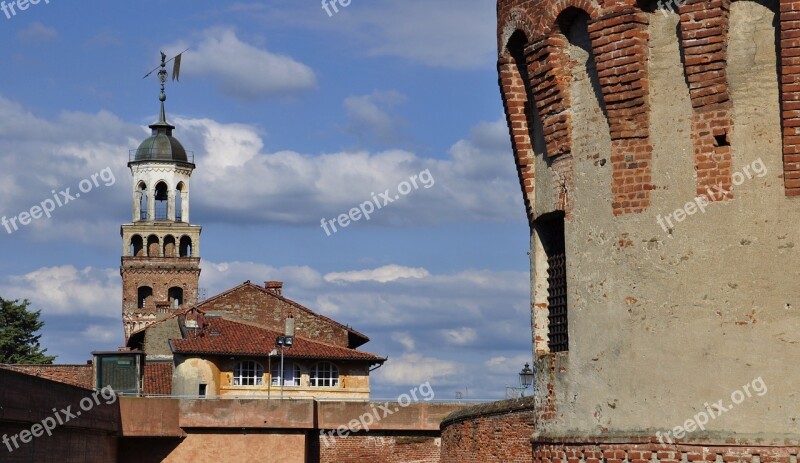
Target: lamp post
[[283, 342], [525, 378]]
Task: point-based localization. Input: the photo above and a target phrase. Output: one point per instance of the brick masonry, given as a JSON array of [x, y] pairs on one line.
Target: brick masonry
[[498, 432], [656, 452], [618, 32], [380, 447], [161, 274], [694, 150], [252, 303]]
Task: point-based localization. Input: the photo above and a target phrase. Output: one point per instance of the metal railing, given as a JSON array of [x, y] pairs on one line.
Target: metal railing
[[148, 152]]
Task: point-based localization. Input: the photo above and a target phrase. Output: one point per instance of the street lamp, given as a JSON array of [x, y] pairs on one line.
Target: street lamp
[[525, 378], [285, 341]]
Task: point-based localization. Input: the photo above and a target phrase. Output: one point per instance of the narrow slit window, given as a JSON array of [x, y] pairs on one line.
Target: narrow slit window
[[551, 232]]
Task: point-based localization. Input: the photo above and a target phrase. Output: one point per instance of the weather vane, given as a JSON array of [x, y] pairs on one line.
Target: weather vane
[[162, 73]]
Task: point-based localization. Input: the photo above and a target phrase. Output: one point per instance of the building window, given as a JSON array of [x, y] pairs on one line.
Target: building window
[[291, 374], [175, 295], [144, 296], [248, 373], [550, 228], [185, 248], [324, 374]]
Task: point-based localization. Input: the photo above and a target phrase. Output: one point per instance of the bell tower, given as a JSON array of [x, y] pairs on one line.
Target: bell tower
[[160, 249]]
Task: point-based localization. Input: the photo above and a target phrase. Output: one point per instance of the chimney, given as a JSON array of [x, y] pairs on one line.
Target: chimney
[[275, 287]]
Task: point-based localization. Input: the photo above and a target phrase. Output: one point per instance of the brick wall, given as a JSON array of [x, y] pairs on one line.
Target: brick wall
[[380, 447], [256, 305], [161, 274], [497, 432], [653, 452]]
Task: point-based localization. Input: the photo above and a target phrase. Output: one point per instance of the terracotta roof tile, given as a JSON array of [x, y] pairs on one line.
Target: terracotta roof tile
[[75, 375], [227, 337], [157, 378]]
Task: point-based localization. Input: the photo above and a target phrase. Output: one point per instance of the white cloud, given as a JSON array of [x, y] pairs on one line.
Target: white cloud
[[66, 290], [413, 369], [41, 155], [460, 336], [381, 275], [476, 182], [369, 118], [37, 32], [508, 365], [218, 277], [242, 70], [98, 333], [405, 340]]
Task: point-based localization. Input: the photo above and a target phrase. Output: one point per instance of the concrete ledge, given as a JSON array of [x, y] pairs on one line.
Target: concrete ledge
[[413, 417], [247, 413], [502, 407], [30, 399]]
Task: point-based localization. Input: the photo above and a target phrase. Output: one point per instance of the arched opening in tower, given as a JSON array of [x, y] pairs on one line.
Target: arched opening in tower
[[574, 24], [141, 198], [180, 194], [152, 246], [175, 295], [144, 297], [137, 246], [161, 200], [186, 247], [169, 246], [516, 47]]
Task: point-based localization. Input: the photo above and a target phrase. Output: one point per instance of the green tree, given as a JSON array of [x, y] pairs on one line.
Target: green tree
[[19, 342]]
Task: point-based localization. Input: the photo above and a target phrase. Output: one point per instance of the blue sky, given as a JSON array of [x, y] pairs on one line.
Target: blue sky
[[294, 116]]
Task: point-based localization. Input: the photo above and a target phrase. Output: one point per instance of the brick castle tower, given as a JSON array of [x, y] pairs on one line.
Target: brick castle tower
[[658, 150], [160, 248]]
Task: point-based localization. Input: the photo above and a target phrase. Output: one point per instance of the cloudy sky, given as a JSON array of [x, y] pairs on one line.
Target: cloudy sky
[[294, 116]]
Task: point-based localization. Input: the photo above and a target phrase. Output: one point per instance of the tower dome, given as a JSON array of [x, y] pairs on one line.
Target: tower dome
[[161, 145]]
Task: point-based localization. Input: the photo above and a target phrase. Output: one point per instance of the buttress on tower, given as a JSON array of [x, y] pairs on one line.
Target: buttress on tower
[[160, 249]]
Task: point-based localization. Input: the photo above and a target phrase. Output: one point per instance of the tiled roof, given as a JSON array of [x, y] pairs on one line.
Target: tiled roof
[[227, 337], [157, 378], [75, 375]]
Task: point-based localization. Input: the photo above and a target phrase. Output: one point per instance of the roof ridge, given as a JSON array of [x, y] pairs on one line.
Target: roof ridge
[[257, 326], [312, 343]]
